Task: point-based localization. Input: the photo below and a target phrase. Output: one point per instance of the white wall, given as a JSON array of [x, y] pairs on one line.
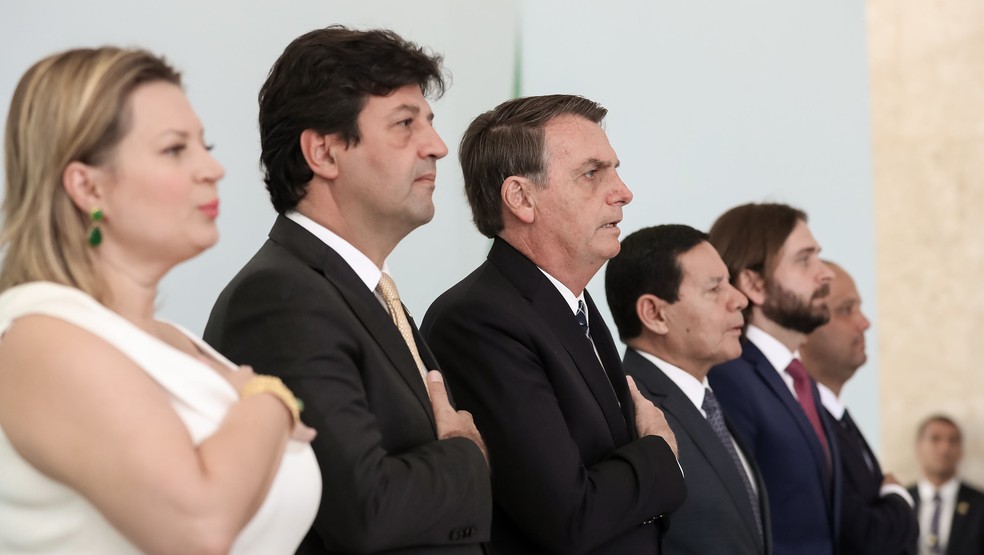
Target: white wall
[[715, 104], [225, 50], [712, 104]]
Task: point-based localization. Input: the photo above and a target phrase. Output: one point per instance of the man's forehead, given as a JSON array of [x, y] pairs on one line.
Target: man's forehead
[[406, 98], [799, 240], [940, 427], [842, 286], [578, 138], [702, 262], [562, 121]]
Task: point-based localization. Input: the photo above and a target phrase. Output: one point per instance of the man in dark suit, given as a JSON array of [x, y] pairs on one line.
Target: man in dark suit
[[876, 511], [773, 259], [669, 294], [582, 463], [349, 153], [951, 512]]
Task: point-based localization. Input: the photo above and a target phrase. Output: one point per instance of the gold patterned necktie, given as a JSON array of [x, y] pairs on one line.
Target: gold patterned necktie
[[387, 290]]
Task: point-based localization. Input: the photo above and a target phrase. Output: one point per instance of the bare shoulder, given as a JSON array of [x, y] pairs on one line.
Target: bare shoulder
[[68, 399]]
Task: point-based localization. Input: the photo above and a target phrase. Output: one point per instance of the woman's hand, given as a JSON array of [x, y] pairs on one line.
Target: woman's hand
[[244, 375]]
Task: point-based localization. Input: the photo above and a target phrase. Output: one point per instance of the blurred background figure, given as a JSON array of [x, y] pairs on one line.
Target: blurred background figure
[[876, 511], [120, 433], [951, 512]]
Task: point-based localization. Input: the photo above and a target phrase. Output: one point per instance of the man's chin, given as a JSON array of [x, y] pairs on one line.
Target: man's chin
[[608, 251], [731, 352], [423, 214]]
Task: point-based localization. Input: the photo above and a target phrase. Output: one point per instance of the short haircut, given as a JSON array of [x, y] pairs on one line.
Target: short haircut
[[648, 263], [321, 82], [73, 106], [507, 141], [750, 237], [937, 418]]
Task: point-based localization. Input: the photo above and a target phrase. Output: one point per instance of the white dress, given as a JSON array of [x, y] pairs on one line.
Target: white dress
[[41, 515]]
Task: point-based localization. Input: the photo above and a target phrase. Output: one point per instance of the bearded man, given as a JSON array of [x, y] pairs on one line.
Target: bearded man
[[774, 261]]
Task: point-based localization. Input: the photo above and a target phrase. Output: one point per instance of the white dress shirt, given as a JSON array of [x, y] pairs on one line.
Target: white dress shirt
[[948, 496], [365, 268], [568, 295], [775, 352]]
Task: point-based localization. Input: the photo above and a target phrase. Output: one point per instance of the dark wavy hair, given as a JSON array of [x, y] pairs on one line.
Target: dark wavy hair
[[321, 82], [647, 264]]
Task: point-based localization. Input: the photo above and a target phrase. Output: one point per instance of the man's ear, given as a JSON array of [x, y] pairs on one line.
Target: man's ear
[[752, 284], [651, 311], [83, 184], [320, 152], [517, 198]]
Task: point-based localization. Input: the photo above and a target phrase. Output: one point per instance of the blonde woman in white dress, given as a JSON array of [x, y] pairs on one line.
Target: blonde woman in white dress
[[120, 433]]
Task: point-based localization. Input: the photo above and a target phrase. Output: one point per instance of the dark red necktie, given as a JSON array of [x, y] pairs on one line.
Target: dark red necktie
[[804, 394]]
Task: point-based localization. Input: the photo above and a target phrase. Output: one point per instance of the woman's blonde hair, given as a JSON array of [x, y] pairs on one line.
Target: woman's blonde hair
[[71, 106]]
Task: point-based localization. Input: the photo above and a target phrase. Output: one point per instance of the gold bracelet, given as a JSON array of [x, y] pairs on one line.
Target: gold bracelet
[[262, 383]]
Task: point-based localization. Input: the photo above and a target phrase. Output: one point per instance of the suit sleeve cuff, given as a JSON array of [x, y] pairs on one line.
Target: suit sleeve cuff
[[889, 489]]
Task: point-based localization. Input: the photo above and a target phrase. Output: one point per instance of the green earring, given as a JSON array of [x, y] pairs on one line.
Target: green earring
[[95, 234]]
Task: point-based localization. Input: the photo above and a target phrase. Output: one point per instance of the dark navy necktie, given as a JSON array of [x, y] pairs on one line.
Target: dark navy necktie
[[582, 318]]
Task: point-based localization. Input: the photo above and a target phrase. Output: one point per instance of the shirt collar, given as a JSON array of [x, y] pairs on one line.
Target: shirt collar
[[830, 402], [568, 295], [775, 352], [359, 262], [947, 491], [691, 386]]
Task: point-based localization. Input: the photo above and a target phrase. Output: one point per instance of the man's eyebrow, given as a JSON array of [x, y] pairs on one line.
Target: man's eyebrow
[[716, 280], [414, 110], [595, 164]]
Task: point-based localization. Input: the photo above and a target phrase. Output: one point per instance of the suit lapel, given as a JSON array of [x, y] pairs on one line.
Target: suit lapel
[[770, 376], [363, 302], [763, 496], [430, 362], [875, 466], [428, 358], [833, 475], [558, 320], [959, 527], [857, 448], [608, 353], [669, 396]]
